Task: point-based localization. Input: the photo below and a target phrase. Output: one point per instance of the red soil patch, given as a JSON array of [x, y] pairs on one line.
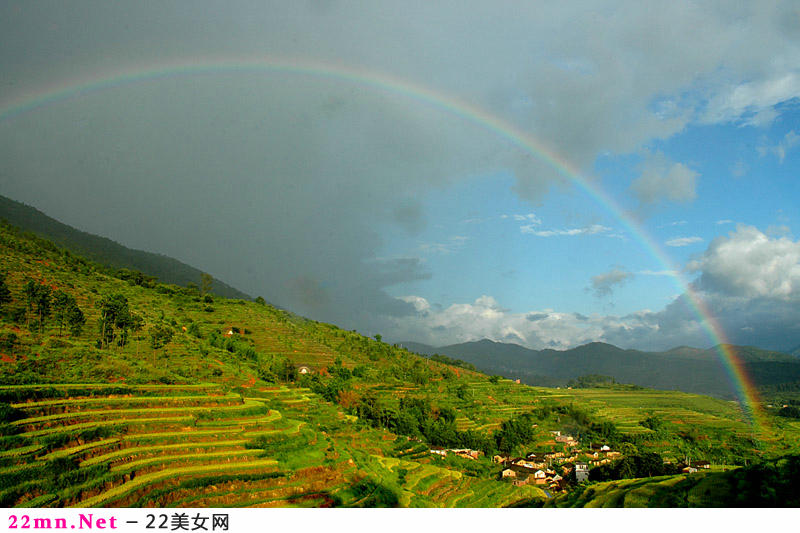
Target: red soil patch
[[6, 359]]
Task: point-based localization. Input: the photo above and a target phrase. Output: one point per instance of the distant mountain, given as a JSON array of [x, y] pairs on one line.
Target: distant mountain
[[106, 251], [683, 368]]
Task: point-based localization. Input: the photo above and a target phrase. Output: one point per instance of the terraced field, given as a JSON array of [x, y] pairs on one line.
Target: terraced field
[[217, 419], [91, 450]]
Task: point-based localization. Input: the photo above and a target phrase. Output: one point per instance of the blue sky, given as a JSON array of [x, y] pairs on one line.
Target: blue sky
[[475, 225], [372, 209]]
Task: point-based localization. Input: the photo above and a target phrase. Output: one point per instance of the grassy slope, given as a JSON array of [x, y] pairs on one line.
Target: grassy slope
[[772, 484], [106, 251], [332, 459], [324, 456]]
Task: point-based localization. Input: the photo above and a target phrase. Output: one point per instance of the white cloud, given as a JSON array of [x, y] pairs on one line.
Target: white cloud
[[604, 284], [594, 229], [752, 102], [531, 218], [664, 179], [420, 304], [724, 221], [749, 284], [485, 318], [739, 168], [750, 264], [789, 141], [455, 242], [676, 223], [314, 165], [683, 241]]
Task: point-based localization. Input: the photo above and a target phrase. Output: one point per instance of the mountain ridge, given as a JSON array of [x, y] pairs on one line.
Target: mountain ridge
[[681, 368], [107, 251]]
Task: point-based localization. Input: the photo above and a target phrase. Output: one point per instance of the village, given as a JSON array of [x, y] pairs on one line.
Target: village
[[553, 469]]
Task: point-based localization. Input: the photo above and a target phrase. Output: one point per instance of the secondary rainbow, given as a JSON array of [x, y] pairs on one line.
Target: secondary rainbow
[[73, 89]]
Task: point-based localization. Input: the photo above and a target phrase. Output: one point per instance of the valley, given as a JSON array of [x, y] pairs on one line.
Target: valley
[[164, 396]]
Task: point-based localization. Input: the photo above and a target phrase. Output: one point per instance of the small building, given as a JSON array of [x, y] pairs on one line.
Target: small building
[[688, 470], [566, 439], [467, 453], [520, 475], [501, 459], [439, 451], [581, 472], [303, 370], [508, 472], [522, 462], [702, 464]]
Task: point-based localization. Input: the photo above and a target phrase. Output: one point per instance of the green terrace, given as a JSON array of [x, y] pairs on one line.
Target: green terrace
[[88, 447]]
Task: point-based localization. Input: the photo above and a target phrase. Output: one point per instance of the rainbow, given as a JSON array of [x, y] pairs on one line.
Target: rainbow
[[74, 89]]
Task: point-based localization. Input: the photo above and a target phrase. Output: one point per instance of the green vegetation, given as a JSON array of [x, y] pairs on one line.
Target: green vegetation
[[219, 413], [769, 484]]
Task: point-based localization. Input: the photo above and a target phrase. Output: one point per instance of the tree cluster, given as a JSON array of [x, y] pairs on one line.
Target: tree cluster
[[117, 321], [514, 432], [42, 302], [418, 417], [646, 464]]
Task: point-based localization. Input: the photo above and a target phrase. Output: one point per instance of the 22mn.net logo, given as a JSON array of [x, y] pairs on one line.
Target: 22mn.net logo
[[85, 521]]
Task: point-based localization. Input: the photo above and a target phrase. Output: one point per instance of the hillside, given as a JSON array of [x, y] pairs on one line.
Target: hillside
[[771, 484], [106, 251], [683, 368], [160, 397]]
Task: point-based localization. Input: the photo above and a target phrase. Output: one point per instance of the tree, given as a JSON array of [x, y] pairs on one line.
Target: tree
[[652, 422], [160, 336], [114, 313], [41, 297], [136, 324], [260, 301], [8, 342], [5, 292], [62, 302], [628, 448], [29, 290], [75, 320], [206, 283]]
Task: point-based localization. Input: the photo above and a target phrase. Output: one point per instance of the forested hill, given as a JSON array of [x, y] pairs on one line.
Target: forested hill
[[686, 369], [106, 251]]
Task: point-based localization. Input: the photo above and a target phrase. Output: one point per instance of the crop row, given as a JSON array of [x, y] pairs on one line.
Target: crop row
[[248, 406], [170, 473], [138, 450], [22, 393], [56, 406]]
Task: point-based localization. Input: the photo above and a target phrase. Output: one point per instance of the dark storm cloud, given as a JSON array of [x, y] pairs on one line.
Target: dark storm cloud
[[535, 317], [284, 184]]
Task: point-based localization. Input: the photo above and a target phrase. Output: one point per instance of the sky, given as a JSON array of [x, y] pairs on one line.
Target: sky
[[439, 172]]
